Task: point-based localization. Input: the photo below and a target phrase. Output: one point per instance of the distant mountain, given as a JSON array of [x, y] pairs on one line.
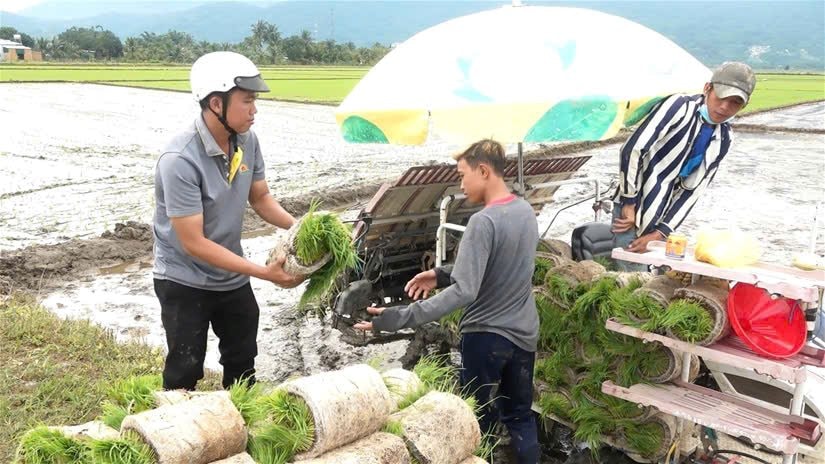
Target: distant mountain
[[766, 34]]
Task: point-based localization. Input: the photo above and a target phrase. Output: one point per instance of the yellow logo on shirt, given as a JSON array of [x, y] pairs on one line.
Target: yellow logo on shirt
[[235, 164]]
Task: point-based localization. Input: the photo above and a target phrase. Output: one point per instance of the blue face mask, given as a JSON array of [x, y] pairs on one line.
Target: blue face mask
[[703, 111]]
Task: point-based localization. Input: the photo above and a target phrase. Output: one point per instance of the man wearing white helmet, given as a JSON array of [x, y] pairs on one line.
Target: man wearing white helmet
[[673, 156], [204, 180]]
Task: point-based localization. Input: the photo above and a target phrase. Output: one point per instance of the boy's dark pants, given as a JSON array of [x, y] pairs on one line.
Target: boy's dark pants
[[500, 376], [186, 313]]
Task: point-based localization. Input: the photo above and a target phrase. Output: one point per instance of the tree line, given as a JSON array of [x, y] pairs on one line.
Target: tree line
[[265, 46]]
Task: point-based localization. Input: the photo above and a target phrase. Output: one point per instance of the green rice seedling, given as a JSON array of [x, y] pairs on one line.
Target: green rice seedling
[[128, 449], [393, 427], [687, 320], [247, 401], [555, 403], [645, 438], [451, 321], [42, 445], [592, 422], [263, 452], [552, 321], [130, 396], [413, 396], [488, 445], [560, 289], [652, 362], [540, 271], [435, 373], [608, 263], [620, 409], [319, 234], [288, 426], [628, 373]]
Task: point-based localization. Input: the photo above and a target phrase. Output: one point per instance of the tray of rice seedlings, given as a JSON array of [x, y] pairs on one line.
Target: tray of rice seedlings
[[557, 402], [555, 247], [687, 321], [43, 445], [648, 439], [592, 423], [713, 298], [552, 319], [318, 245], [130, 396], [201, 430], [345, 405], [129, 448], [440, 427], [661, 288], [283, 427]]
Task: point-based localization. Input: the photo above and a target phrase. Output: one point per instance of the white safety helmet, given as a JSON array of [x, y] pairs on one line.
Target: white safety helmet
[[223, 71]]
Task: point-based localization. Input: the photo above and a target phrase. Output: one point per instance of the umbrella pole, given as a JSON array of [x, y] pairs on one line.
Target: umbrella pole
[[520, 179]]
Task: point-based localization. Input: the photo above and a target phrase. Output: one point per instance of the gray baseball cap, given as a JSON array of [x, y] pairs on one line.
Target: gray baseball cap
[[734, 79]]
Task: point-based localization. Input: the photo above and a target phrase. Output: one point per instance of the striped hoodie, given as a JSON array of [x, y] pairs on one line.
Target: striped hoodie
[[653, 156]]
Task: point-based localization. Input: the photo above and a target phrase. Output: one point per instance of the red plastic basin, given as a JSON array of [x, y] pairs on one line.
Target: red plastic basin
[[773, 328]]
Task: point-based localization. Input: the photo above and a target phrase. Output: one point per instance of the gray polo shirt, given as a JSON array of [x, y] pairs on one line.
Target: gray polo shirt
[[192, 177]]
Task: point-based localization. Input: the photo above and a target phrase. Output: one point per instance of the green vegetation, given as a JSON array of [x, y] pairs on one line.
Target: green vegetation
[[128, 449], [130, 396], [330, 84]]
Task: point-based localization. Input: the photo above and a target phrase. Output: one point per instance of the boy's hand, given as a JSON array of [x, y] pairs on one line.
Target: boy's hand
[[368, 325], [421, 285]]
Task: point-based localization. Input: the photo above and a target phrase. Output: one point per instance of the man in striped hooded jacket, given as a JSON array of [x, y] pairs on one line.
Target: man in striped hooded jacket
[[672, 157]]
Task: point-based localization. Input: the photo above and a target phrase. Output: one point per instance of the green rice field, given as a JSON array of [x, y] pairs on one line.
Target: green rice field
[[331, 84]]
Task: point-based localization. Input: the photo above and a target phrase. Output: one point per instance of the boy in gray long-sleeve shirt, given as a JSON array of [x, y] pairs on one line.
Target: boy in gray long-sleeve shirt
[[492, 279]]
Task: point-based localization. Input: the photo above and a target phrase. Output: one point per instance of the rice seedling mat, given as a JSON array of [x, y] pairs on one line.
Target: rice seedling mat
[[730, 351]]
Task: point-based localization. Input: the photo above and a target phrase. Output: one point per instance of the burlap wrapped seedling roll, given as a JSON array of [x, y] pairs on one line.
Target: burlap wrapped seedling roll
[[346, 405], [199, 431], [650, 439], [242, 458], [555, 247], [661, 289], [167, 397], [714, 299], [378, 448], [558, 401], [401, 383], [624, 279], [562, 281], [659, 364], [473, 460], [286, 246], [439, 428], [545, 262], [94, 430]]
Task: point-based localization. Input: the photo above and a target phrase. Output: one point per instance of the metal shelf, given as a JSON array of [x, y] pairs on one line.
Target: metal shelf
[[733, 352], [787, 281], [715, 410]]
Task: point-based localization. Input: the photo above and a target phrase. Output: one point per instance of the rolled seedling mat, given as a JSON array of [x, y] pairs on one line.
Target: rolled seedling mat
[[553, 259], [439, 428], [624, 279], [714, 299], [473, 460], [346, 405], [378, 448], [669, 426], [594, 399], [167, 397], [199, 431], [589, 353], [242, 458], [555, 247], [285, 245], [672, 370], [401, 383], [580, 272], [661, 288], [94, 430], [571, 403]]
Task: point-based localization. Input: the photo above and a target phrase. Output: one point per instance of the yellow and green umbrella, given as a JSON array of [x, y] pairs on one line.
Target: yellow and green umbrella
[[518, 74]]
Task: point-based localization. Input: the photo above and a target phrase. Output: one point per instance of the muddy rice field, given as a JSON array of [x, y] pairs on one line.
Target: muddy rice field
[[76, 202]]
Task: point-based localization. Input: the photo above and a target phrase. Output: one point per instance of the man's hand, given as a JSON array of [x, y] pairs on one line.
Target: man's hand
[[627, 221], [421, 285], [375, 311], [274, 272], [640, 244]]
